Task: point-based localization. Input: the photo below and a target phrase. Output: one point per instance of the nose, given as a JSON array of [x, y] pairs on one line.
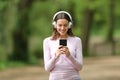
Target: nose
[[63, 27]]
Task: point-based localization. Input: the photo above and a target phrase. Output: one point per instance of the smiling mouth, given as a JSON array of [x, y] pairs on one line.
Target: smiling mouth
[[62, 31]]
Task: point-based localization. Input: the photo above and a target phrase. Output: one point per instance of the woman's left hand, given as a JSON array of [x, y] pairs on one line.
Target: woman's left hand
[[66, 50]]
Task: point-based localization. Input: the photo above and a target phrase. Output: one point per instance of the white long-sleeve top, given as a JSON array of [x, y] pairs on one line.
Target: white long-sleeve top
[[67, 67]]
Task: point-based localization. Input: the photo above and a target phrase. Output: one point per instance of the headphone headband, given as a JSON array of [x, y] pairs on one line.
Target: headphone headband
[[62, 12]]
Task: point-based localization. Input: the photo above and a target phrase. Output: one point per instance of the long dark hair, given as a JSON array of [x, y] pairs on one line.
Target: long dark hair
[[55, 33]]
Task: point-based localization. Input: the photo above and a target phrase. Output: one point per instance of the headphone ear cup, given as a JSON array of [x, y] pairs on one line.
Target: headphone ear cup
[[70, 24], [54, 24]]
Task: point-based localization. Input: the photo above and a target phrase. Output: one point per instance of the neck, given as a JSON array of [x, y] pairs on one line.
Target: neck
[[63, 36]]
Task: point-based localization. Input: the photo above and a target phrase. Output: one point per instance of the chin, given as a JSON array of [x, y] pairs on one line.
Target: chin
[[62, 34]]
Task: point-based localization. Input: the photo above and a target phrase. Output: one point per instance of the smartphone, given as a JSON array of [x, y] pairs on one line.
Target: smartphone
[[63, 42]]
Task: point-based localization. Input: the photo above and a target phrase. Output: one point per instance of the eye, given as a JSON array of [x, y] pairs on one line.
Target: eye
[[65, 25], [60, 25]]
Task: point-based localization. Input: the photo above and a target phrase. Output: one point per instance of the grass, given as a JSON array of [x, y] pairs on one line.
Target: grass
[[13, 64], [10, 64]]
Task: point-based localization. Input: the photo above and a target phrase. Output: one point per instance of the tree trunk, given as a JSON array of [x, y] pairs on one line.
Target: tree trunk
[[88, 19], [111, 22], [110, 37], [20, 34]]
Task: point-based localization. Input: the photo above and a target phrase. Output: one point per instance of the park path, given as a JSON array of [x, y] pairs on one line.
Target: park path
[[95, 68]]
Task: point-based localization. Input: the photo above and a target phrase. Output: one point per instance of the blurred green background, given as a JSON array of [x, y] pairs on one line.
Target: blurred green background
[[25, 23]]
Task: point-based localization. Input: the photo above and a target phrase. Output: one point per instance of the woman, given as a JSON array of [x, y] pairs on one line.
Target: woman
[[63, 61]]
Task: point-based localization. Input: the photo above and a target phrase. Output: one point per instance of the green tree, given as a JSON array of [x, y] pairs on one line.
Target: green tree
[[86, 27], [111, 20], [21, 32]]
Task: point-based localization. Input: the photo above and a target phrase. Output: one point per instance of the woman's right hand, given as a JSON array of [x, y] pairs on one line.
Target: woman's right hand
[[59, 51]]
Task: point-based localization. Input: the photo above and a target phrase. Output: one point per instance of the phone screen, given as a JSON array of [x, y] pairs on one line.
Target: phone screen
[[63, 42]]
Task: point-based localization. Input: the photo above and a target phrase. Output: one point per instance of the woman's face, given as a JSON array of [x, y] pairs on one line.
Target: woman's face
[[62, 26]]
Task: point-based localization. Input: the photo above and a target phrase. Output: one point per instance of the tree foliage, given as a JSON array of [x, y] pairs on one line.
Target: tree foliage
[[23, 26]]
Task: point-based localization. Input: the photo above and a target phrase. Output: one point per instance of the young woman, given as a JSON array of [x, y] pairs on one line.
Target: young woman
[[63, 61]]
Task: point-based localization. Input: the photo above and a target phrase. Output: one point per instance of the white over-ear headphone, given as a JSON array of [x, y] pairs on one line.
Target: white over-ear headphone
[[54, 23]]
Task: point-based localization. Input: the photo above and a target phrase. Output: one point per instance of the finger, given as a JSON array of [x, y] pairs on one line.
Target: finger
[[60, 46], [65, 47]]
